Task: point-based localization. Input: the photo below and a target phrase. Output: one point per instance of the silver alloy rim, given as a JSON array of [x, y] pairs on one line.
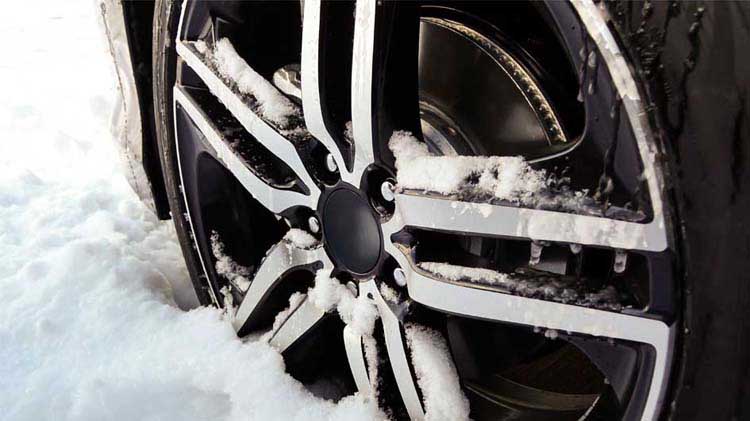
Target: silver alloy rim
[[445, 214]]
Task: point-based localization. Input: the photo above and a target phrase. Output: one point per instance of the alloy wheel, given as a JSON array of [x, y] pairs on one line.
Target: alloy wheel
[[335, 160]]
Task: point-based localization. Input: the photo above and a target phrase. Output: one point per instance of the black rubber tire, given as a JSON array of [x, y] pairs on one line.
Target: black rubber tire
[[166, 18], [702, 116], [696, 72]]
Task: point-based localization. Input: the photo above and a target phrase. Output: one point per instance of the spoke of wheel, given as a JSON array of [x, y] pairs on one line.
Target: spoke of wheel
[[513, 222], [302, 320], [254, 124], [283, 258], [481, 303], [273, 199], [600, 33], [312, 105], [397, 354], [362, 84], [355, 354]]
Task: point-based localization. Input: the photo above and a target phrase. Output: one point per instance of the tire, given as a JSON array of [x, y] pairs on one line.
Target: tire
[[691, 58], [163, 52], [693, 78]]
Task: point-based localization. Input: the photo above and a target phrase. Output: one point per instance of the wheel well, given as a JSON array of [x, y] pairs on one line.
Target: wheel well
[[139, 17]]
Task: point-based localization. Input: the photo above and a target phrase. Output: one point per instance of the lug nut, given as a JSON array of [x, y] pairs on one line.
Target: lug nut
[[314, 225], [400, 277], [386, 191], [331, 163]]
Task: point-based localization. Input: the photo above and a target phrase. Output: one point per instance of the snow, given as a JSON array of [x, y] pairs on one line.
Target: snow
[[89, 278], [436, 375], [358, 312], [274, 106], [349, 131], [506, 178], [621, 261], [389, 294], [372, 359], [295, 300], [551, 288], [551, 334], [458, 273], [300, 238], [235, 273], [483, 178], [536, 253], [228, 307]]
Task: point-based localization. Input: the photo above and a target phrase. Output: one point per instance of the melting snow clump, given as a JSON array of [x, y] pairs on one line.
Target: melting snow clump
[[235, 273], [223, 57], [295, 300], [359, 313], [482, 178], [436, 375], [532, 285], [389, 294], [300, 238], [551, 334]]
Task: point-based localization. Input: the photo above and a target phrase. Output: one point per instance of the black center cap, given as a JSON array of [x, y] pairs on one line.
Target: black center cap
[[352, 231]]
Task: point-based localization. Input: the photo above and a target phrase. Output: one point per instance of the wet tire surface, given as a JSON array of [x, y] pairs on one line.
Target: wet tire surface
[[693, 61]]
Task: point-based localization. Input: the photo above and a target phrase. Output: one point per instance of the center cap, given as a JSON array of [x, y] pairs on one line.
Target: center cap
[[352, 231]]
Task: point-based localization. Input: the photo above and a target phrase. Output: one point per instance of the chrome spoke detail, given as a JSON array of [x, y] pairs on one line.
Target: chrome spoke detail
[[392, 226], [300, 321], [512, 222], [255, 125], [312, 106], [595, 18], [280, 260], [273, 199], [481, 303], [397, 355], [355, 354], [362, 85]]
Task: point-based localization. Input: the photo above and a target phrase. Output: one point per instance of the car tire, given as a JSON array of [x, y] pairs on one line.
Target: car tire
[[691, 69]]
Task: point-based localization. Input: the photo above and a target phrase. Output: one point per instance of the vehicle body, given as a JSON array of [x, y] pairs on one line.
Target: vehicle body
[[128, 26]]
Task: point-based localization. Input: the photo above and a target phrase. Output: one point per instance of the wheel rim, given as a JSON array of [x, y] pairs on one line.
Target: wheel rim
[[271, 198]]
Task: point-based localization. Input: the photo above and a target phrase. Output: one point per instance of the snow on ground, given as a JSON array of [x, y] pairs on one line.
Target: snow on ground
[[89, 329]]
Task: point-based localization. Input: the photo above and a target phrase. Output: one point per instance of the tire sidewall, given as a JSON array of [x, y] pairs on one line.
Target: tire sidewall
[[166, 20]]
